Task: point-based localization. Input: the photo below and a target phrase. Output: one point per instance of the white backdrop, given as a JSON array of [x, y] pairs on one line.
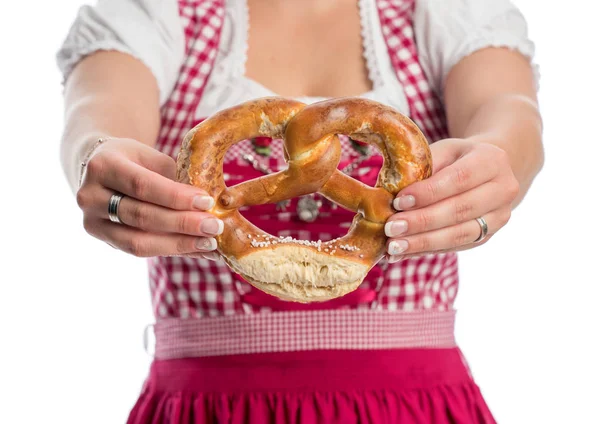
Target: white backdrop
[[72, 309]]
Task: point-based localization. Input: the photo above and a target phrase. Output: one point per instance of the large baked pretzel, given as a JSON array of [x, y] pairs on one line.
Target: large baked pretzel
[[305, 271]]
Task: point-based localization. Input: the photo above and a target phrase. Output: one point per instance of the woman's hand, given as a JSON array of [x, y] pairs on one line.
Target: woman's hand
[[160, 216], [471, 179]]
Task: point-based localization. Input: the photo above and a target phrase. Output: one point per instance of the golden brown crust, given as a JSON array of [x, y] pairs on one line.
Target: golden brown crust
[[313, 152]]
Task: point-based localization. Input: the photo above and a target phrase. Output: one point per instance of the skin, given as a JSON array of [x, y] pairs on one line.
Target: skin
[[113, 95], [485, 170]]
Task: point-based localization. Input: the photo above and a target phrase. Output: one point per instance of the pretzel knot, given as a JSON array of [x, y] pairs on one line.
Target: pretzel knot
[[299, 270]]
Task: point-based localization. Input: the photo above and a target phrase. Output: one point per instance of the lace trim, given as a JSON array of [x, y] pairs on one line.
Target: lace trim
[[70, 56], [366, 24], [496, 40], [244, 27]]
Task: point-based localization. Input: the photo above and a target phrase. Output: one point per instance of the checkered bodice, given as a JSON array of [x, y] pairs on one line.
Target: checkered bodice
[[196, 288]]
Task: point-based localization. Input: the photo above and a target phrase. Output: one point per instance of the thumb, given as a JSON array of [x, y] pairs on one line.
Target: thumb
[[158, 162], [445, 152]]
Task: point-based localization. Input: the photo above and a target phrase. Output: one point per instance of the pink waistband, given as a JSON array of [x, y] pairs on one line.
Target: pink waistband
[[302, 331]]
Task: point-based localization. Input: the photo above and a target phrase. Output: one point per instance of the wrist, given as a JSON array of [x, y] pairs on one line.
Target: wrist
[[76, 154], [86, 155]]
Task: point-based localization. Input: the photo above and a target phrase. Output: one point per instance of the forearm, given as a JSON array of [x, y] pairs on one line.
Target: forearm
[[491, 97], [513, 123], [109, 94]]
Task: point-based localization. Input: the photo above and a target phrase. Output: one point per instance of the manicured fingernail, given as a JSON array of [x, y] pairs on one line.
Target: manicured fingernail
[[396, 228], [212, 256], [393, 259], [206, 244], [404, 202], [203, 203], [397, 246], [212, 226]]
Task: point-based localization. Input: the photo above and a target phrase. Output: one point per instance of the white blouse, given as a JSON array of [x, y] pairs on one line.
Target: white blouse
[[150, 30]]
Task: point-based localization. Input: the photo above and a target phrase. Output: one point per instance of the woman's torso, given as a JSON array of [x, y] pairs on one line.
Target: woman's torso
[[196, 288], [408, 49]]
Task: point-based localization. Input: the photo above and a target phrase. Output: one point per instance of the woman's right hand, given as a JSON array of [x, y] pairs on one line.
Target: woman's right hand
[[160, 217]]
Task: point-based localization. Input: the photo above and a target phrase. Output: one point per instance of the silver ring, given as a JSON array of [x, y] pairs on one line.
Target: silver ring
[[113, 207], [484, 229]]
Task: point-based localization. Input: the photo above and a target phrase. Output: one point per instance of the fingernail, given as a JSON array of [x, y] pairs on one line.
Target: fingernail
[[394, 259], [207, 244], [203, 203], [395, 228], [212, 226], [397, 246], [212, 256], [404, 202]]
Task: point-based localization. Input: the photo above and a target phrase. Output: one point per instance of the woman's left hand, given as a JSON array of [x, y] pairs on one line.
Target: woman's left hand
[[471, 179]]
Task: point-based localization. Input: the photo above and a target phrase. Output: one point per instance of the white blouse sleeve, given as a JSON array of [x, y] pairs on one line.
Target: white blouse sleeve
[[148, 30], [446, 31]]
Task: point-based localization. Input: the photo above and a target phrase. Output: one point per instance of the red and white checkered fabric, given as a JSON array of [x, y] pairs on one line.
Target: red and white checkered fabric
[[202, 22], [297, 331], [196, 288], [426, 109]]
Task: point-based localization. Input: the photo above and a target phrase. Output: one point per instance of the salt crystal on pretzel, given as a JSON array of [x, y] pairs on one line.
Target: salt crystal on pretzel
[[300, 270]]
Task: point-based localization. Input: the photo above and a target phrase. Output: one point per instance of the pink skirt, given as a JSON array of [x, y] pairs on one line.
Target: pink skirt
[[406, 386]]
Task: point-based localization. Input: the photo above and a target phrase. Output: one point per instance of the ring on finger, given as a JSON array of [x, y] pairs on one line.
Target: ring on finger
[[484, 229], [113, 207]]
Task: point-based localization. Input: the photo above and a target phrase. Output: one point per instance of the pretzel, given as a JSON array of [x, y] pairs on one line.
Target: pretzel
[[300, 270]]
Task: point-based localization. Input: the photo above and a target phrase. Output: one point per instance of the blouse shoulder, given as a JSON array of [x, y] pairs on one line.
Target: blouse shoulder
[[149, 30], [446, 31]]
